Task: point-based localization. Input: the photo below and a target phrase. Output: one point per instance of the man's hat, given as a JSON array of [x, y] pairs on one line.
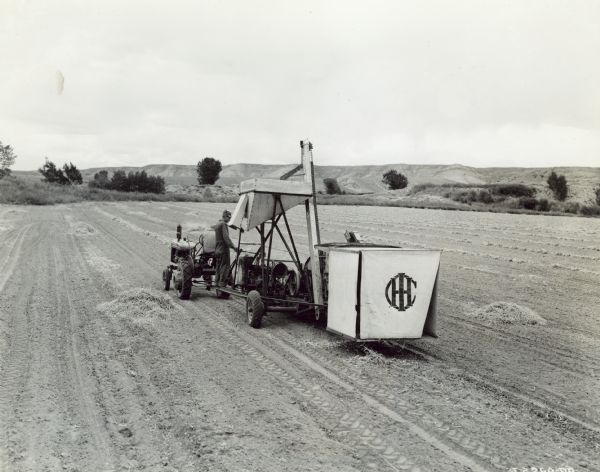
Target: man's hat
[[226, 213]]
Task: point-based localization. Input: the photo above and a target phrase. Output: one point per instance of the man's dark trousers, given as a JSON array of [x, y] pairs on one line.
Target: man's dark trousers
[[222, 270]]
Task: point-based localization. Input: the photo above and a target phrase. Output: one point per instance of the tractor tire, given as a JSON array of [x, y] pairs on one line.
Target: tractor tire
[[167, 279], [184, 287], [255, 309]]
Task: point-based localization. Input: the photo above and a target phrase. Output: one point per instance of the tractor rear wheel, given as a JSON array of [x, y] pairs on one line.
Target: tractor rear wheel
[[167, 279], [184, 287], [255, 309]]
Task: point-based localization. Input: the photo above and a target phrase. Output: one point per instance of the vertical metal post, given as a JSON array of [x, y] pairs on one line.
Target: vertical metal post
[[273, 226], [312, 223], [237, 257], [309, 177], [262, 257]]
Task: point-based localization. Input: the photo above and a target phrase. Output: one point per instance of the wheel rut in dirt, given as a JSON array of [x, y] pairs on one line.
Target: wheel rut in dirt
[[200, 389]]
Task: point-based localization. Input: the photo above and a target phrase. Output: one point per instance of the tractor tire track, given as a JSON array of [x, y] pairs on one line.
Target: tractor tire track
[[12, 256], [541, 405], [345, 420], [21, 396], [547, 409], [76, 350], [16, 360], [569, 361], [124, 394], [388, 399], [191, 444]]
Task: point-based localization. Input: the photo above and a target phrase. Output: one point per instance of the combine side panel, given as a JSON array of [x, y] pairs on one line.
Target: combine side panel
[[396, 293], [342, 302], [382, 293]]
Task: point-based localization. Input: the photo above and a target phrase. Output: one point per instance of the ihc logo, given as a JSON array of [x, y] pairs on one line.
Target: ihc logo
[[398, 292]]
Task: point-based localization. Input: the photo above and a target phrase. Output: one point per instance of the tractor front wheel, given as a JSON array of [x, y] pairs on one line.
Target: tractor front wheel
[[184, 286], [255, 309]]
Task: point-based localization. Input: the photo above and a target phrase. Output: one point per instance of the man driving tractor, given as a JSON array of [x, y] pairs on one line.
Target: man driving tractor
[[223, 261]]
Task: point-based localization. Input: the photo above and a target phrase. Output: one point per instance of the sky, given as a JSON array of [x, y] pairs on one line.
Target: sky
[[127, 83]]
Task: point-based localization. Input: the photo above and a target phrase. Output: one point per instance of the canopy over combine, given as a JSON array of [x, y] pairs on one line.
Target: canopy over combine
[[262, 200]]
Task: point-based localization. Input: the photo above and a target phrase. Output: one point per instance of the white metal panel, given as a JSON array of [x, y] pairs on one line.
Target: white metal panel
[[283, 187], [260, 207], [343, 280], [240, 212], [396, 292]]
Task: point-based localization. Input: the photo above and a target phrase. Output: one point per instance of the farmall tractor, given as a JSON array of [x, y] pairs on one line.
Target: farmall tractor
[[191, 264], [360, 290]]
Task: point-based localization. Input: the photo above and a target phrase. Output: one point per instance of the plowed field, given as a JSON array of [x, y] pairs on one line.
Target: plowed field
[[102, 370]]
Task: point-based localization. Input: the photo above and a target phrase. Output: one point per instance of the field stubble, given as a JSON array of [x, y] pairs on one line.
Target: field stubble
[[191, 387]]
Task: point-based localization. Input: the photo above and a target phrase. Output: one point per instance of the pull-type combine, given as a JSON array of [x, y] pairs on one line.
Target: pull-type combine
[[360, 290]]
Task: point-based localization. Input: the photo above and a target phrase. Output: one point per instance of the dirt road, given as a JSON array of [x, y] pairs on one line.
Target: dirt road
[[101, 370]]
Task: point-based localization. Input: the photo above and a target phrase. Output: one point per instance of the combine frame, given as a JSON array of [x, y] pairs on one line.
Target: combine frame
[[362, 291]]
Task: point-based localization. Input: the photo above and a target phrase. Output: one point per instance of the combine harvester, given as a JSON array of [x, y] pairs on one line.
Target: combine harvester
[[360, 290]]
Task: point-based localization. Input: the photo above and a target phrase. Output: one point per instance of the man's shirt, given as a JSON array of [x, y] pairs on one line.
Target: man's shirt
[[223, 241]]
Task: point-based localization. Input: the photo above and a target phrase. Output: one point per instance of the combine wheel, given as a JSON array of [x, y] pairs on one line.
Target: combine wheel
[[167, 273], [184, 287], [255, 309]]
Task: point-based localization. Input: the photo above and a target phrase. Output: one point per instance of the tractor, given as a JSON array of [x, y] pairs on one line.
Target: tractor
[[190, 264]]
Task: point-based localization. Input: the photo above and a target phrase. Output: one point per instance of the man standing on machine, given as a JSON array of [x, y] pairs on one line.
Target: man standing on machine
[[222, 246]]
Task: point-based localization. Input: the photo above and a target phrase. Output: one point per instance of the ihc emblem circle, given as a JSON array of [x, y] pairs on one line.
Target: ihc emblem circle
[[400, 291]]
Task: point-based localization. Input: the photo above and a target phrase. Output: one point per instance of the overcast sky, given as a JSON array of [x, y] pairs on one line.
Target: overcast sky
[[481, 83]]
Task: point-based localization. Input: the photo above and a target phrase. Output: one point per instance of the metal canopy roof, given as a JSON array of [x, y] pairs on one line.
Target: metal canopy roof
[[281, 187], [258, 198]]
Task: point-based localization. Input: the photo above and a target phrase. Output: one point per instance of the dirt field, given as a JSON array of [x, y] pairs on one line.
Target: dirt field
[[102, 370]]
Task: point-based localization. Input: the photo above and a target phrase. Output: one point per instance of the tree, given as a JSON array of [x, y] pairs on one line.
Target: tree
[[156, 184], [72, 173], [558, 185], [208, 170], [332, 187], [52, 174], [394, 180], [131, 182], [597, 192], [119, 181], [7, 159], [100, 180]]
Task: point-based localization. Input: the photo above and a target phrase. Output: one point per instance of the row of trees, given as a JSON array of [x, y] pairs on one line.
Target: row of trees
[[131, 182], [68, 175]]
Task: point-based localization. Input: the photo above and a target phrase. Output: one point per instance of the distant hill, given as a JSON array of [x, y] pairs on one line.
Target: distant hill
[[367, 179]]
